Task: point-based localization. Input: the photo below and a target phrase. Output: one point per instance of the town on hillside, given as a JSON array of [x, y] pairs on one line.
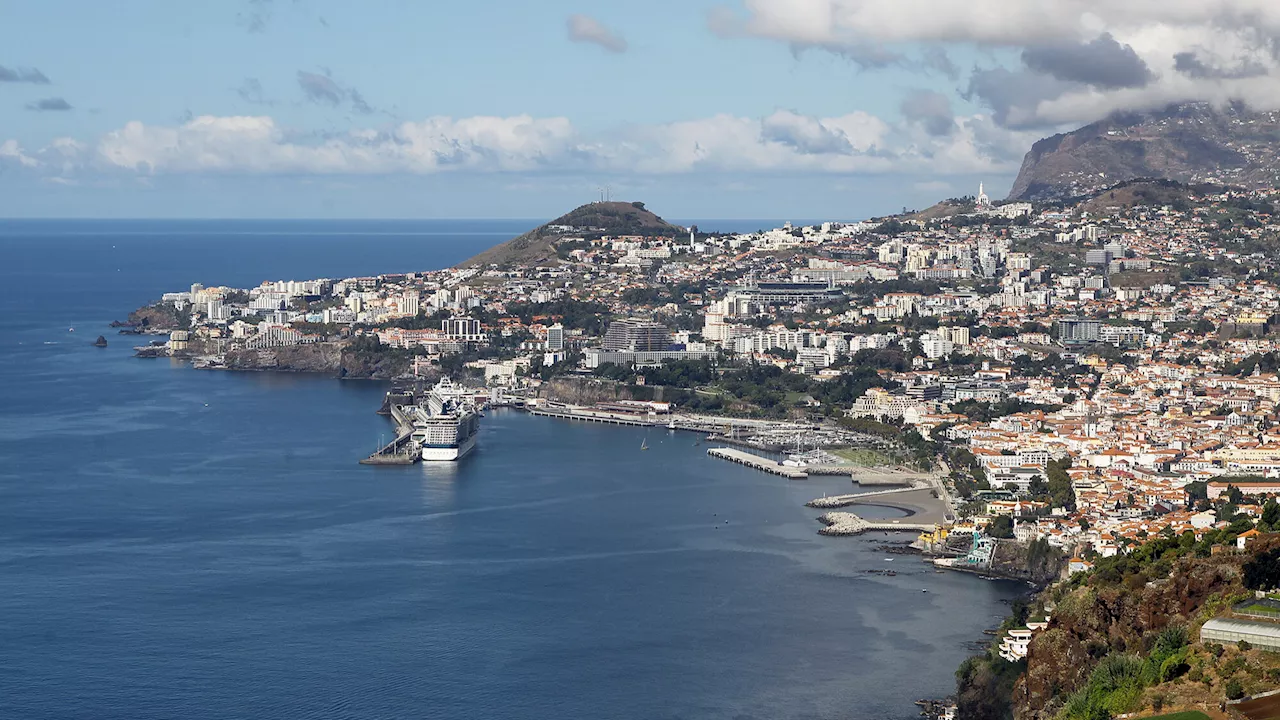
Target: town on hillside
[[1093, 373]]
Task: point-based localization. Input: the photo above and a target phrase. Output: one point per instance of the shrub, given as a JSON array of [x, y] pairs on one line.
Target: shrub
[[1234, 690]]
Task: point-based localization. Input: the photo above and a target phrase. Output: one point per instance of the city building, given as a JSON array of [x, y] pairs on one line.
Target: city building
[[1078, 331], [637, 336], [555, 338]]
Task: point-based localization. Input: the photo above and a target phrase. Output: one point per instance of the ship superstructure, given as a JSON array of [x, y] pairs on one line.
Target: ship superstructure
[[445, 423]]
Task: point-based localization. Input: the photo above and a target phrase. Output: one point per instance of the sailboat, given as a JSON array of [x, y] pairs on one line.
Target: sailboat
[[644, 444]]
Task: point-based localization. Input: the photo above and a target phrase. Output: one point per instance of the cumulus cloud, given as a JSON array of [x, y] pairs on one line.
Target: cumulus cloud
[[931, 110], [586, 29], [1101, 62], [322, 89], [53, 104], [22, 75], [783, 141], [1064, 61], [1191, 64]]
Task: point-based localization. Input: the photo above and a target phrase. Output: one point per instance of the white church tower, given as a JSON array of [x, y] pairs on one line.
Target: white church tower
[[983, 202]]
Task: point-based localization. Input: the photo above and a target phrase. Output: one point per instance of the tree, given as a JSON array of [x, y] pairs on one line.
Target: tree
[[1061, 493], [1271, 513], [1037, 487], [1002, 527], [1262, 572]]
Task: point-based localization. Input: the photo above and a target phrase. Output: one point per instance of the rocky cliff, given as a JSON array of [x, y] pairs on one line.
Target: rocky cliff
[[1093, 621], [329, 358], [159, 318], [1190, 143]]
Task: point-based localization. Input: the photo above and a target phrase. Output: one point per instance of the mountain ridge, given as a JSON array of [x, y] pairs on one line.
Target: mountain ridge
[[1188, 142]]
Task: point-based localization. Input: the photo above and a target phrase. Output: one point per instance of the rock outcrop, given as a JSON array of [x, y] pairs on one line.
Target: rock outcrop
[[158, 318], [1091, 622], [327, 358]]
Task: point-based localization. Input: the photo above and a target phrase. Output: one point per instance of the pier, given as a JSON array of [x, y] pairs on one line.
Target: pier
[[758, 463], [401, 451], [843, 523], [839, 501]]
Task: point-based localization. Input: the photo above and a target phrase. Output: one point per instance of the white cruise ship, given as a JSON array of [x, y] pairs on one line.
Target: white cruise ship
[[446, 424]]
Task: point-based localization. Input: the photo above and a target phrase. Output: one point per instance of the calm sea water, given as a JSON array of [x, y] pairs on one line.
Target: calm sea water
[[192, 544]]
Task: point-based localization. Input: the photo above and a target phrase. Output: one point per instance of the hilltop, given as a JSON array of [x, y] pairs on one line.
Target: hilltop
[[1190, 143], [593, 220]]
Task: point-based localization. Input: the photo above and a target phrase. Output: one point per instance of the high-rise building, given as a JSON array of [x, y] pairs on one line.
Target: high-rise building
[[1101, 256], [409, 304], [637, 336], [462, 328], [555, 338], [1073, 331]]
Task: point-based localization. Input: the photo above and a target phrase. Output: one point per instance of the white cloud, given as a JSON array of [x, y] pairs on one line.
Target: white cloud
[[1076, 60], [11, 151], [784, 141]]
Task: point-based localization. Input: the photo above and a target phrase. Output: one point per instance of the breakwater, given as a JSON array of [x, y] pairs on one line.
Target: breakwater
[[838, 501], [843, 523]]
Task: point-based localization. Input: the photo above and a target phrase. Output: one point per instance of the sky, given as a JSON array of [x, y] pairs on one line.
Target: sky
[[837, 109]]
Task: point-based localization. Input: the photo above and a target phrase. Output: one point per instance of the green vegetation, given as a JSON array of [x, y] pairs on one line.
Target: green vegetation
[[864, 457], [1117, 682], [1262, 572], [986, 412], [1185, 715]]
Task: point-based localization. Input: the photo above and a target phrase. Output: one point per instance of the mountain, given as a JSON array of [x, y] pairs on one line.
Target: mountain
[[593, 220], [1190, 143]]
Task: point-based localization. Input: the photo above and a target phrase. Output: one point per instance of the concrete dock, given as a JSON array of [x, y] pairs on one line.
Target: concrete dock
[[839, 501], [401, 451], [758, 463]]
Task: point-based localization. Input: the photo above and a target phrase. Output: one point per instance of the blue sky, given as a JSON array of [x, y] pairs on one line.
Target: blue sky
[[493, 108]]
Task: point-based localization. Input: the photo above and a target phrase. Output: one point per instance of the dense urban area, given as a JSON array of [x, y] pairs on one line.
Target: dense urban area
[[1091, 384]]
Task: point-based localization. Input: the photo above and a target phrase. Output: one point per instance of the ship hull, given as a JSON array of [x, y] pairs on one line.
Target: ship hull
[[449, 454]]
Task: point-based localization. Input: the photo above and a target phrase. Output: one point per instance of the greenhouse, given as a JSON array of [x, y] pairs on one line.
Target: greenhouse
[[1261, 635]]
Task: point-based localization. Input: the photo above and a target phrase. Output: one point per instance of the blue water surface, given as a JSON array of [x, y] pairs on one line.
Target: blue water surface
[[194, 544]]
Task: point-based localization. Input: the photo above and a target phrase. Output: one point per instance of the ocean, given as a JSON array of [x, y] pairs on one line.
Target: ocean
[[177, 543]]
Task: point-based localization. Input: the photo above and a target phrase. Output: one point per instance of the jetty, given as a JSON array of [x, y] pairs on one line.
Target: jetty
[[844, 523], [839, 501], [758, 463], [400, 451]]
